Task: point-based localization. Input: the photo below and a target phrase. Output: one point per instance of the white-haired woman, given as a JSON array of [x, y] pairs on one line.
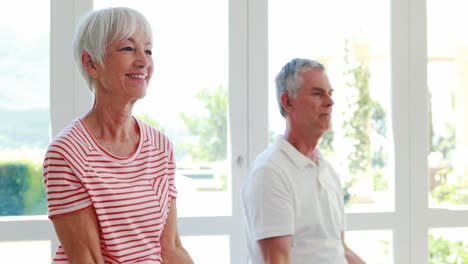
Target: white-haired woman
[[109, 177]]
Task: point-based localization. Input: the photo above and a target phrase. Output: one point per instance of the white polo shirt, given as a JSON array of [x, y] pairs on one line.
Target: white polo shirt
[[286, 193]]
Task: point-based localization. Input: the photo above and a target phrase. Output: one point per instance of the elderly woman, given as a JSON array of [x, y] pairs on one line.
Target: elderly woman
[[109, 177]]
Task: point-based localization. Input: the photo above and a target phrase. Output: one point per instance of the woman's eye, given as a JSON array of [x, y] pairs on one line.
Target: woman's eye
[[149, 52], [127, 49]]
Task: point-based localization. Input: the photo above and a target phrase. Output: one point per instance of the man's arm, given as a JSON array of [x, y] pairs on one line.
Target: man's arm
[[171, 247], [79, 235], [276, 250], [350, 256]]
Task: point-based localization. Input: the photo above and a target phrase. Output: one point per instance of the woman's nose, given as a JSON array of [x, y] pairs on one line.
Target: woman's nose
[[142, 59]]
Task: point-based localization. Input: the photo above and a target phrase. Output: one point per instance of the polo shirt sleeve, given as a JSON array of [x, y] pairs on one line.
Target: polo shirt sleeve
[[269, 206], [339, 188]]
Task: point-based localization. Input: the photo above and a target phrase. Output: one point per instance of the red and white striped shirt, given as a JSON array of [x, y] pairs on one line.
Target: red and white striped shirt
[[131, 195]]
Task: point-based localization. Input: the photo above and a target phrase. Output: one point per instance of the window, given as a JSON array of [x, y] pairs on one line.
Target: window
[[24, 130], [24, 107], [447, 63], [407, 200], [447, 169], [188, 97], [355, 51]]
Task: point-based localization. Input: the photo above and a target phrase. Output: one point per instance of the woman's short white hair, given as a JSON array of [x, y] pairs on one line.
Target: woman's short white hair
[[102, 27]]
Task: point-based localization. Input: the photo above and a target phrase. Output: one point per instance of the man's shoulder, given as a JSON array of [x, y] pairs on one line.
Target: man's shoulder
[[271, 156]]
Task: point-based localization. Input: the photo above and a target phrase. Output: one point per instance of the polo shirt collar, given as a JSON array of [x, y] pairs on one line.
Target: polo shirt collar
[[299, 159]]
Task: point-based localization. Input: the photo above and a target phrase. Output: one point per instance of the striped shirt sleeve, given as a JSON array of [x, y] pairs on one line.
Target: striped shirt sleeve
[[65, 191], [171, 169]]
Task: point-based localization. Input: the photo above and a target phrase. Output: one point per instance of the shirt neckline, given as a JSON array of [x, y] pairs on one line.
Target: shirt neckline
[[299, 159], [95, 144]]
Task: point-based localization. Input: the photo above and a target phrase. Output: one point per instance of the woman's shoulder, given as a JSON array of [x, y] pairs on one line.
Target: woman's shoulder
[[71, 137], [154, 135]]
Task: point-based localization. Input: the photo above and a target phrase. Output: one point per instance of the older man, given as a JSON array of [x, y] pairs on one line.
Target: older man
[[292, 198]]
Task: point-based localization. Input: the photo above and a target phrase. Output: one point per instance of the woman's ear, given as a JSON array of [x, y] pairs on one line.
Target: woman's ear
[[89, 65]]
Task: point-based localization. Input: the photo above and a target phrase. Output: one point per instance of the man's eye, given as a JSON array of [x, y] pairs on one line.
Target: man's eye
[[149, 52]]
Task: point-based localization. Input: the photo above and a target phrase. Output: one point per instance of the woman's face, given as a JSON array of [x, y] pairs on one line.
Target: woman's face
[[127, 69]]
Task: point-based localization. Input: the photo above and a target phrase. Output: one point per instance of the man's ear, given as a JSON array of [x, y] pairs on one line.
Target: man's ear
[[89, 65], [286, 102]]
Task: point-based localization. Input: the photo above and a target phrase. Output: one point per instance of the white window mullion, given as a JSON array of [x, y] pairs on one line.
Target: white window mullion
[[257, 76], [257, 96], [238, 116], [65, 95], [400, 107], [62, 98], [419, 143], [61, 64], [81, 94], [447, 218], [69, 95]]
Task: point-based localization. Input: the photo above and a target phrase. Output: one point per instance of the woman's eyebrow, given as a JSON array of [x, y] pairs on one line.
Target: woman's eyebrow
[[133, 40]]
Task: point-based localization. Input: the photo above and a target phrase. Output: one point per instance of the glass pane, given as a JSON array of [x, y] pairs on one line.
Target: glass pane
[[355, 50], [448, 246], [372, 246], [37, 252], [188, 97], [447, 77], [24, 105], [207, 249]]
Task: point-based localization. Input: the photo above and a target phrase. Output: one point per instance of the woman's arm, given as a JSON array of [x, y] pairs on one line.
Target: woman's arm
[[171, 247], [79, 235]]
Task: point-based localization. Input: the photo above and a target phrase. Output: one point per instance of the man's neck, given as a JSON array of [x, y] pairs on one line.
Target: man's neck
[[305, 145]]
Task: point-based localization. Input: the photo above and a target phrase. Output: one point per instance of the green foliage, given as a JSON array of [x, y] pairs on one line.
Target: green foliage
[[442, 251], [380, 183], [441, 143], [386, 246], [451, 193], [379, 119], [363, 117], [222, 179], [357, 126], [346, 193], [21, 192], [147, 119], [211, 129], [445, 144], [326, 143], [431, 125]]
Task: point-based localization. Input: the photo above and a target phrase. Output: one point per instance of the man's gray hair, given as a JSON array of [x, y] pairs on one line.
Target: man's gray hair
[[289, 79], [102, 27]]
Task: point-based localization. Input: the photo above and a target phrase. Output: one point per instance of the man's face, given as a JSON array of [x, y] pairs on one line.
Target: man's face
[[310, 110]]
